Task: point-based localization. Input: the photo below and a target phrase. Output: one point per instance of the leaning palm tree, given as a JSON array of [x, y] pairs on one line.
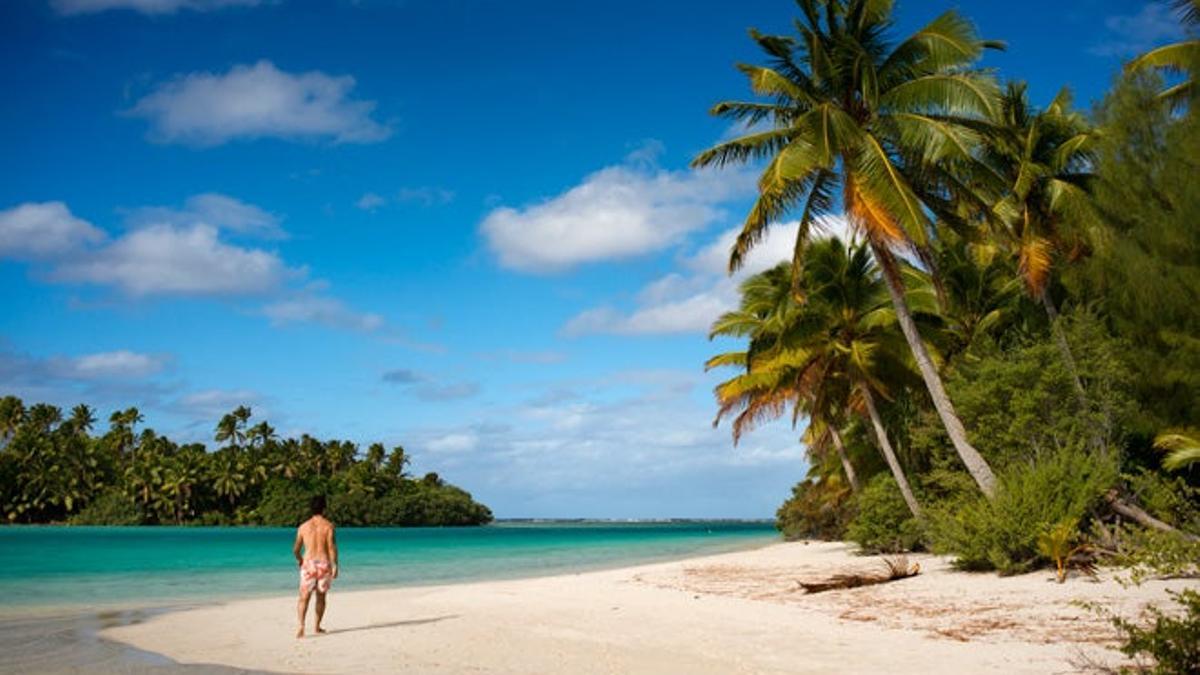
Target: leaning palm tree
[[1179, 57], [1046, 214], [892, 128], [835, 355]]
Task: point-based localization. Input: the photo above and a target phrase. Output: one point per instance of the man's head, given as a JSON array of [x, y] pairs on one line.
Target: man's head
[[317, 505]]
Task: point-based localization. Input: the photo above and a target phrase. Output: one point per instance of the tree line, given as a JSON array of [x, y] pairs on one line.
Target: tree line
[[54, 470]]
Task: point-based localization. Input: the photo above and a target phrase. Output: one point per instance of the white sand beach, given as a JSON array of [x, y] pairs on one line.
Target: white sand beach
[[733, 613]]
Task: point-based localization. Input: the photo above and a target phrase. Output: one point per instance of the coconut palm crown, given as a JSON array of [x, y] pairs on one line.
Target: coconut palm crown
[[893, 128]]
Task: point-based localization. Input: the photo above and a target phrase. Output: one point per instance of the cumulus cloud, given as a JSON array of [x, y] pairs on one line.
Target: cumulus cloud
[[618, 212], [1132, 34], [72, 7], [99, 378], [258, 101], [218, 210], [169, 260], [689, 301], [159, 259], [120, 364], [41, 230]]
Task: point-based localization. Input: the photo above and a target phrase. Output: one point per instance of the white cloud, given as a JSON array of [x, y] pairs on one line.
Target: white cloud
[[256, 101], [453, 442], [43, 230], [689, 303], [209, 404], [168, 260], [218, 210], [309, 307], [121, 364], [1133, 34], [71, 7], [617, 212]]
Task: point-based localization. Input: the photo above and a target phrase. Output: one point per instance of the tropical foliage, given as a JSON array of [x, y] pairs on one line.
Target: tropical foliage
[[52, 469], [1002, 364]]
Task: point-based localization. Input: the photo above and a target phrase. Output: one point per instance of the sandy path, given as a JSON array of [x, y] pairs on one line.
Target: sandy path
[[733, 613]]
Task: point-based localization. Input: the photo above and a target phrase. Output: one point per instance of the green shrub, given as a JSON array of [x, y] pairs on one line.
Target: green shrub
[[1002, 533], [110, 508], [1172, 641], [883, 523], [817, 509], [1148, 553]]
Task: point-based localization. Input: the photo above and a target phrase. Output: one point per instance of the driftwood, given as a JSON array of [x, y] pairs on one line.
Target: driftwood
[[897, 568], [1138, 515]]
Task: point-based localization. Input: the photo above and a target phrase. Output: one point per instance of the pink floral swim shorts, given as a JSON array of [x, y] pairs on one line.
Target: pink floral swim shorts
[[315, 574]]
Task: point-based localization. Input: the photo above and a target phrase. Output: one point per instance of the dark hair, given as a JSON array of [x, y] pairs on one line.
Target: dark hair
[[317, 505]]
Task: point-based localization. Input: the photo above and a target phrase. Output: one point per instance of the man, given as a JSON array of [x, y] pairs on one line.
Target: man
[[319, 564]]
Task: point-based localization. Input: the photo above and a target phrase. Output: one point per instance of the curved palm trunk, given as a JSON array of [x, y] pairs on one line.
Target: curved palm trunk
[[851, 476], [976, 464], [885, 446], [1063, 346]]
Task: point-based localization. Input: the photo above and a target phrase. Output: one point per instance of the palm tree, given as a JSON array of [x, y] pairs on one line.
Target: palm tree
[[1180, 57], [12, 415], [1182, 447], [892, 127], [232, 427], [836, 353], [227, 476], [1046, 211], [397, 462], [82, 418]]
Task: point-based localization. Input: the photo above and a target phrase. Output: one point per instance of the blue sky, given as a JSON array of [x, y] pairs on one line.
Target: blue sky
[[467, 227]]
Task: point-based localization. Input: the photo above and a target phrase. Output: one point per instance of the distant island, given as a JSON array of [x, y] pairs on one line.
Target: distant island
[[53, 470]]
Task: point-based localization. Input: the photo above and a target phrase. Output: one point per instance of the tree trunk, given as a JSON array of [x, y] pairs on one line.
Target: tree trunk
[[1064, 348], [885, 446], [975, 463], [1140, 516], [846, 465]]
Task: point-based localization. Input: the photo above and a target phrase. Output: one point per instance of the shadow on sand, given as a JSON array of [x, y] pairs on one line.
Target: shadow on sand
[[393, 624]]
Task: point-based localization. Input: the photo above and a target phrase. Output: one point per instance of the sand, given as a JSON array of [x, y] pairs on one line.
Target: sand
[[740, 612]]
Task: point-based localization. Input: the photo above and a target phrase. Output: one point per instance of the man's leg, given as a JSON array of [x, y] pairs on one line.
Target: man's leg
[[320, 610], [302, 609]]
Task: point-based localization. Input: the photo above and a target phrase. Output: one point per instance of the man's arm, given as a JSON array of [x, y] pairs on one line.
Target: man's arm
[[296, 548], [333, 549]]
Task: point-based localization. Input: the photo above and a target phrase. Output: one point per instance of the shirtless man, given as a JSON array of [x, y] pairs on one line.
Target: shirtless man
[[319, 564]]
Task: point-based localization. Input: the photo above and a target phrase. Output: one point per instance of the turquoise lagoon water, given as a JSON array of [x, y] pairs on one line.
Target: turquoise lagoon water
[[84, 568]]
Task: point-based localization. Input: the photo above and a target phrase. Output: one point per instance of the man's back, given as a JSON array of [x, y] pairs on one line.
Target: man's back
[[317, 535]]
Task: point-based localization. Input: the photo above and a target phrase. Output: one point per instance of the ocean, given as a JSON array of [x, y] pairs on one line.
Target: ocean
[[58, 570]]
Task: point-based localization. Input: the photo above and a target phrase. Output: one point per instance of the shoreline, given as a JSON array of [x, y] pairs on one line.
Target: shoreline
[[736, 611]]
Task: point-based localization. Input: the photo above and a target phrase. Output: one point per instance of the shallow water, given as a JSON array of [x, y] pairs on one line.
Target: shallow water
[[57, 570]]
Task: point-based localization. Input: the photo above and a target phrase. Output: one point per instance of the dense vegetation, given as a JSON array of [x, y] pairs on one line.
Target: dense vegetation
[[998, 363], [52, 470]]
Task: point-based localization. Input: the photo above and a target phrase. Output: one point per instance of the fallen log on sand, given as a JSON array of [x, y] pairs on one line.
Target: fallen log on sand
[[895, 569]]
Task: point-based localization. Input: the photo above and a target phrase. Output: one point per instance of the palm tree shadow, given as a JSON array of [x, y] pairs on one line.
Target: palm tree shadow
[[393, 624]]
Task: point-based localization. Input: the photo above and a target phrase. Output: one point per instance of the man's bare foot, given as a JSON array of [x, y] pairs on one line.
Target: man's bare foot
[[320, 630], [300, 632]]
